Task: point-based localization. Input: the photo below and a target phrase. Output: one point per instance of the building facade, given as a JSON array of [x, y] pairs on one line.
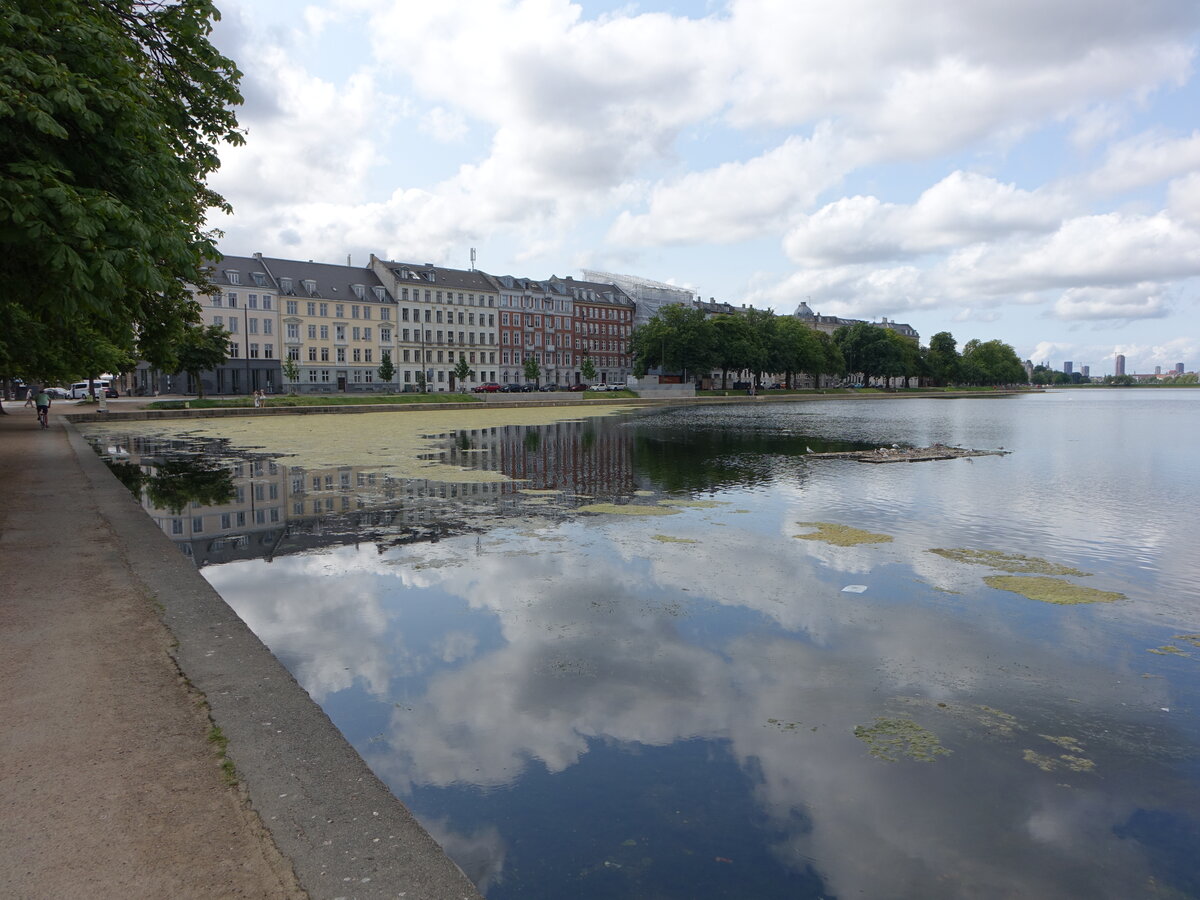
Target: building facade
[[603, 328]]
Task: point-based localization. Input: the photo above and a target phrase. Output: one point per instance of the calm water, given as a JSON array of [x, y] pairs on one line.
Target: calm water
[[597, 705]]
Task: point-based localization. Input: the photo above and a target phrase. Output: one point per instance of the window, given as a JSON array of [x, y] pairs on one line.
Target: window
[[312, 354], [359, 290], [293, 331], [339, 310], [354, 308], [234, 350], [311, 308], [357, 355], [292, 307], [294, 354], [341, 354], [368, 375], [324, 308], [231, 298], [366, 333], [226, 520], [259, 278], [379, 294], [367, 356], [312, 376], [324, 354], [254, 351], [217, 299], [177, 526], [266, 301], [356, 333], [385, 335], [366, 312], [233, 276], [285, 285], [219, 321], [385, 313], [253, 326], [324, 332], [310, 285], [339, 332], [325, 375], [268, 351], [252, 301]]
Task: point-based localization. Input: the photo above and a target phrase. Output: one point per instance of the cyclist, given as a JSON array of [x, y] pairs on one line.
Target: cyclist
[[43, 408]]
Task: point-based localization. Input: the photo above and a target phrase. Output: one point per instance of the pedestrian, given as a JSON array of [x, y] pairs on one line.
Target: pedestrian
[[257, 399], [28, 397]]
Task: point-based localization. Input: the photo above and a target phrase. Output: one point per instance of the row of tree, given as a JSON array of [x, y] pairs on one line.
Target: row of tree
[[684, 339]]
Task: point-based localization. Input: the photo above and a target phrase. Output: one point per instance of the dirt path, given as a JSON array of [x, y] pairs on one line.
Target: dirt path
[[108, 784]]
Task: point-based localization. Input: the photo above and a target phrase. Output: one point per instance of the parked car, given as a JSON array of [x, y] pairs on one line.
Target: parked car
[[777, 386], [57, 393], [488, 387], [598, 387], [111, 392], [528, 388], [617, 386], [550, 387], [578, 387], [513, 388]]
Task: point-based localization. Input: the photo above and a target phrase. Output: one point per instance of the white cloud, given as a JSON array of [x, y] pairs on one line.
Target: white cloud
[[1139, 301], [1146, 159]]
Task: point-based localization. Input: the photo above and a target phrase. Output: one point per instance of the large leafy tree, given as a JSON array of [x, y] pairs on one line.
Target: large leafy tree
[[202, 349], [735, 346], [678, 338], [992, 362], [111, 115], [943, 357], [795, 349]]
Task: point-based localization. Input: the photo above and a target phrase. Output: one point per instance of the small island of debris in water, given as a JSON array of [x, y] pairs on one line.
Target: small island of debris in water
[[908, 454]]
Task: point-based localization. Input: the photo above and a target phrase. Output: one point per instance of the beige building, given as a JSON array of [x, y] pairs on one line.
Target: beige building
[[444, 316]]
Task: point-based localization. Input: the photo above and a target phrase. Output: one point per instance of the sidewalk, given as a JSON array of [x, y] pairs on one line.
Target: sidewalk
[[109, 786]]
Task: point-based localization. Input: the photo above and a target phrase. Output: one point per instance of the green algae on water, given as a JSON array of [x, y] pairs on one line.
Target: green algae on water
[[695, 504], [841, 535], [629, 509], [1017, 563], [1051, 590], [889, 739], [668, 539], [1168, 650], [1193, 639]]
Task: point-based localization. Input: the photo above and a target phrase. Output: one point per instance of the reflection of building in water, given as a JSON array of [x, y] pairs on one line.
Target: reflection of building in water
[[574, 457], [277, 509]]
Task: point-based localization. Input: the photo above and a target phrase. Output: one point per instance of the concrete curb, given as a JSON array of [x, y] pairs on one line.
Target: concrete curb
[[343, 830]]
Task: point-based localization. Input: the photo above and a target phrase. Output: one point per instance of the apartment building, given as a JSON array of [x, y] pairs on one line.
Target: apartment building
[[602, 328], [337, 322], [536, 321], [241, 296], [444, 316]]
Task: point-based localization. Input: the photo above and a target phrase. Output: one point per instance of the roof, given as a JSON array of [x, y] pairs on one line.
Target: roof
[[329, 280], [439, 278]]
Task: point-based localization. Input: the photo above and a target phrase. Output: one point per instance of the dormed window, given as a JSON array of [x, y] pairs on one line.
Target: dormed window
[[359, 291], [232, 276], [260, 278], [379, 294], [310, 285]]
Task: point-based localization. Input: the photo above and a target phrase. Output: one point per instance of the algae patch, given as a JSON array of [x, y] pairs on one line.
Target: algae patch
[[1051, 590], [1017, 563], [841, 535], [668, 539], [889, 739], [1168, 650], [695, 504], [631, 509]]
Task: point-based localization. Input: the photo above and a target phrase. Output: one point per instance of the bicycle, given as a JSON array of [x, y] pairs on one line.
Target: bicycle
[[44, 416]]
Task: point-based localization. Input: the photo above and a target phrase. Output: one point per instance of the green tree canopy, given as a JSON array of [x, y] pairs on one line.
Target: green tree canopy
[[943, 357], [462, 370], [201, 349], [588, 369], [387, 370], [679, 338], [992, 362], [533, 371], [111, 114], [873, 351]]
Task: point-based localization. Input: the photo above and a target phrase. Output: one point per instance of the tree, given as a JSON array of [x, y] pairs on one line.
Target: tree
[[868, 349], [201, 349], [992, 362], [532, 370], [291, 371], [387, 371], [111, 114], [462, 370], [943, 357], [794, 349], [588, 369], [678, 338], [734, 345]]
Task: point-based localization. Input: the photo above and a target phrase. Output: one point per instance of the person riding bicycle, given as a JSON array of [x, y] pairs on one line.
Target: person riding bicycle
[[43, 407]]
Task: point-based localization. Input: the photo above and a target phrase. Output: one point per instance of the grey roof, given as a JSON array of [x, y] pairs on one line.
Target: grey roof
[[438, 278], [247, 267], [330, 281], [604, 292]]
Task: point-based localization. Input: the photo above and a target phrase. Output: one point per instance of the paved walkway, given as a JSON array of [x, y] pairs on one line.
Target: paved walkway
[[108, 785]]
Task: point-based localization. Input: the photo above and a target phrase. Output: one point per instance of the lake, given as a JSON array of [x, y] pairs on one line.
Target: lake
[[671, 653]]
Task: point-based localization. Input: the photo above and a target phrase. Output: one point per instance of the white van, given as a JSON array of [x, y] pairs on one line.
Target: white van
[[79, 389]]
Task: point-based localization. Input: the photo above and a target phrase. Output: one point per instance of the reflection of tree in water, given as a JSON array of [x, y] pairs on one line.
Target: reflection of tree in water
[[178, 482], [703, 458], [129, 474]]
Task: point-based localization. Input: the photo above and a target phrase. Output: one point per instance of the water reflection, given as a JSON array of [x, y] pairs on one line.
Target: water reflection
[[595, 706]]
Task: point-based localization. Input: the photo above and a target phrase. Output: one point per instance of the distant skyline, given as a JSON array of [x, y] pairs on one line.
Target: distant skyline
[[1026, 170]]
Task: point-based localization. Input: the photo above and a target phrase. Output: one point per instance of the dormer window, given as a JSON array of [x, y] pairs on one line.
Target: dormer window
[[285, 285], [232, 276], [379, 295], [311, 286], [260, 278], [359, 291]]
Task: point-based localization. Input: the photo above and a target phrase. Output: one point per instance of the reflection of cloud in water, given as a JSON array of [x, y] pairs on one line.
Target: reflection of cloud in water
[[479, 854]]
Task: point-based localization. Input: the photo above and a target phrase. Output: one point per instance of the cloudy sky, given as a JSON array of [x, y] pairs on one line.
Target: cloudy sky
[[1021, 169]]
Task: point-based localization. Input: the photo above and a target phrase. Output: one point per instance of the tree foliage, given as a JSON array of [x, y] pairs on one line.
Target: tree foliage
[[533, 371], [201, 349], [387, 370], [462, 370], [588, 369], [991, 362], [111, 115]]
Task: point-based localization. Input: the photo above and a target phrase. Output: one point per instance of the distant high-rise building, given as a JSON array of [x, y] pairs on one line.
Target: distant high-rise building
[[1178, 368], [1120, 364], [1158, 370], [1068, 367], [1086, 371]]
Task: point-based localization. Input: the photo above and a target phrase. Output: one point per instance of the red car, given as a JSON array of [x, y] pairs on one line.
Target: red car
[[488, 387], [578, 387]]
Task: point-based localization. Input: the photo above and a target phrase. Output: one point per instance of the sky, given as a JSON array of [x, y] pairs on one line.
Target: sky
[[1027, 170]]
